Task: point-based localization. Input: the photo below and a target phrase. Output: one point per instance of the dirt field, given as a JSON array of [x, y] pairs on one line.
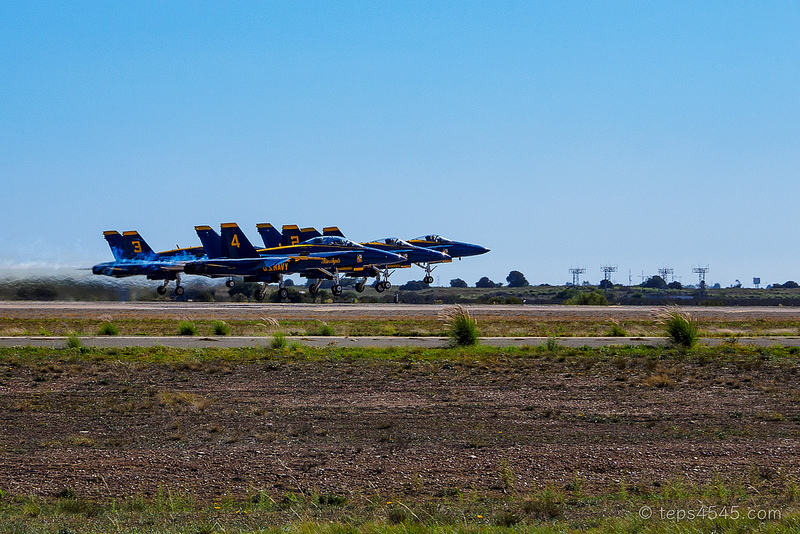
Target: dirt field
[[256, 311], [397, 428]]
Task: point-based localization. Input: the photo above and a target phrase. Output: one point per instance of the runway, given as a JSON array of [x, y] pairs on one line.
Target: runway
[[365, 312]]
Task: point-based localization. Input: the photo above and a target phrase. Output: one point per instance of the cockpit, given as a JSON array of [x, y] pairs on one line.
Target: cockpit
[[394, 241], [433, 237], [331, 240]]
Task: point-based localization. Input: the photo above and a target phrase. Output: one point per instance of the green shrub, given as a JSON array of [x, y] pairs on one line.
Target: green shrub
[[617, 331], [461, 327], [545, 505], [680, 327], [73, 341], [221, 328], [323, 329], [590, 298], [279, 341], [187, 328], [108, 329]]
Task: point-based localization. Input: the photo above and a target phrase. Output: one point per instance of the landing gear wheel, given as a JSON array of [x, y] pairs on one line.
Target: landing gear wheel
[[428, 280], [336, 290], [283, 293], [260, 294], [230, 283], [387, 284], [179, 290], [162, 290], [313, 289], [379, 287], [360, 287]]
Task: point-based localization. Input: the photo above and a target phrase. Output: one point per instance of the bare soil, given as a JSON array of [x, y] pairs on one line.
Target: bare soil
[[321, 312], [414, 429]]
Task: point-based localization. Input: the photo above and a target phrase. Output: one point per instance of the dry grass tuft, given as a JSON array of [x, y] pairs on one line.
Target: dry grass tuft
[[680, 326], [461, 326]]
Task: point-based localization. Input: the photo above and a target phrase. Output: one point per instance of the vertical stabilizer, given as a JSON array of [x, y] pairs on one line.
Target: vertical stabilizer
[[308, 233], [212, 243], [115, 242], [332, 230], [134, 247], [235, 244], [290, 235], [269, 235]]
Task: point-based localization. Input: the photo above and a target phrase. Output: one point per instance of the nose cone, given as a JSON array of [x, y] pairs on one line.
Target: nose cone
[[460, 250]]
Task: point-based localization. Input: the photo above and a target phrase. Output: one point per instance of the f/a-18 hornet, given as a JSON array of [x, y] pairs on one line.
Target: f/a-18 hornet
[[411, 254], [134, 257], [454, 249], [319, 258]]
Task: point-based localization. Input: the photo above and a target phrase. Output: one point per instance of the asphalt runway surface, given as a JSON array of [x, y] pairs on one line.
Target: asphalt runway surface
[[323, 312]]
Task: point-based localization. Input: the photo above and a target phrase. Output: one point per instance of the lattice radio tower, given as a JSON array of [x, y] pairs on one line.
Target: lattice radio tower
[[665, 272], [576, 275], [607, 270], [701, 272]]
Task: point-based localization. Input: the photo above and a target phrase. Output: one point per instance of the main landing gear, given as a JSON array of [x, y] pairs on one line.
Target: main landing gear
[[314, 288], [381, 286], [336, 289], [162, 290], [428, 269], [283, 293]]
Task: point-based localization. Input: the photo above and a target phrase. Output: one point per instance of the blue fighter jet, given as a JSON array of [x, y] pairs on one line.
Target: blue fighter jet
[[134, 257], [454, 249], [292, 234], [321, 257]]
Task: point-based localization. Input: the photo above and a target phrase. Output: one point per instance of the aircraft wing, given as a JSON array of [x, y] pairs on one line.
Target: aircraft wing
[[172, 266], [261, 263]]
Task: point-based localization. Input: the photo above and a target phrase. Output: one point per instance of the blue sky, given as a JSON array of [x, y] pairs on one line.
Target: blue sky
[[558, 134]]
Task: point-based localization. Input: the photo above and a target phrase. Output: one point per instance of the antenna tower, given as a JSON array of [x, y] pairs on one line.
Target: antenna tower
[[607, 270], [576, 275], [701, 272], [665, 272]]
